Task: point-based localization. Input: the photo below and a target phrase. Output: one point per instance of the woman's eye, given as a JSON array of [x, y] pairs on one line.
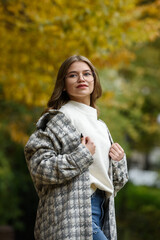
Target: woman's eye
[[73, 75], [87, 74]]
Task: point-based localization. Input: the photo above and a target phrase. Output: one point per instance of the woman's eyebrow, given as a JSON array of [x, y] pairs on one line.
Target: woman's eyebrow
[[72, 72], [78, 72]]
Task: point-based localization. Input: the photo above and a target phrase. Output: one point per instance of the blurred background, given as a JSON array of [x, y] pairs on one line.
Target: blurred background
[[122, 39]]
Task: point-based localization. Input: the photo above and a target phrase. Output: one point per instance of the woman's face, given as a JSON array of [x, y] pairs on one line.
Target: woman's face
[[79, 82]]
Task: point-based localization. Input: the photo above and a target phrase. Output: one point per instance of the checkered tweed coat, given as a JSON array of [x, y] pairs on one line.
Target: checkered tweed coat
[[58, 164]]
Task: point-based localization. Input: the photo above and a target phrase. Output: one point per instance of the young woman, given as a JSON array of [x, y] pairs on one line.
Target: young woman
[[75, 166]]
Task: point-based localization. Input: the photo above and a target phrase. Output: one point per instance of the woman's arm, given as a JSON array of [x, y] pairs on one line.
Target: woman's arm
[[119, 166], [120, 174], [47, 166]]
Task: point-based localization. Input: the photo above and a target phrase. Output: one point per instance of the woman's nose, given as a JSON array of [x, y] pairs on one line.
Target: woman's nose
[[81, 77]]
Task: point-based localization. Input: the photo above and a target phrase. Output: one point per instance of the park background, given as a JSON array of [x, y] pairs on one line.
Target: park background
[[122, 39]]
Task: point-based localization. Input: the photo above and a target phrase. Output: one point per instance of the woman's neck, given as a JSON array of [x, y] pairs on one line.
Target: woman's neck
[[81, 100]]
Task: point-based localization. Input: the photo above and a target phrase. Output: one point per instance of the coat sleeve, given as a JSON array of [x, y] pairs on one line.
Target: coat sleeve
[[47, 166], [119, 171], [120, 174]]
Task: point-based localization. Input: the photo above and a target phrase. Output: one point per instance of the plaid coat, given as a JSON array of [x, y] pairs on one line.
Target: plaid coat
[[58, 164]]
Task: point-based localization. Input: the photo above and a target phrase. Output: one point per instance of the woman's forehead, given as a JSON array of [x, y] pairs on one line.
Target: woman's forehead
[[78, 66]]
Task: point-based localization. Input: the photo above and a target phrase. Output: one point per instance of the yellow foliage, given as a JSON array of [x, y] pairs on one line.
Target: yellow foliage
[[107, 97], [17, 133], [37, 36]]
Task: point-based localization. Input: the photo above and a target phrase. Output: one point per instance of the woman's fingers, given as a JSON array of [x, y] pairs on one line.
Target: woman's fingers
[[83, 140], [116, 152], [119, 147], [86, 141]]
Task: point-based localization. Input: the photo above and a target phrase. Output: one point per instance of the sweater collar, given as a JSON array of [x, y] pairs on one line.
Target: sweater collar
[[83, 108]]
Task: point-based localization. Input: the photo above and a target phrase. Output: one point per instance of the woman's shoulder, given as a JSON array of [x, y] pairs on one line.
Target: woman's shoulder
[[102, 123], [50, 117], [52, 123]]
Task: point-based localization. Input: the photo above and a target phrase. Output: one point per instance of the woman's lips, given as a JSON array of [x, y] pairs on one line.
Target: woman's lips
[[82, 86]]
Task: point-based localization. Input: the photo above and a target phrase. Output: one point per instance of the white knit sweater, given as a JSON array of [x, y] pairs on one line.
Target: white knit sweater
[[84, 118]]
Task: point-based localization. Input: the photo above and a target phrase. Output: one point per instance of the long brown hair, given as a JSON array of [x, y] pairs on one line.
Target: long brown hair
[[60, 97]]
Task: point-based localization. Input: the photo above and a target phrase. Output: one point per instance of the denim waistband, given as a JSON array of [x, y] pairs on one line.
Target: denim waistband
[[98, 192]]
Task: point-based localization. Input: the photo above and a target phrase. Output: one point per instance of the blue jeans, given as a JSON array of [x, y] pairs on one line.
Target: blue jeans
[[97, 203]]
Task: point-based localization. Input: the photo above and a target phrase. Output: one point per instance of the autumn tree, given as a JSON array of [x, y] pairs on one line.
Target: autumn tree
[[37, 36]]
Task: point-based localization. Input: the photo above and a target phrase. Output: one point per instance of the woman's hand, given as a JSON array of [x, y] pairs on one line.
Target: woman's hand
[[116, 152], [86, 141]]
